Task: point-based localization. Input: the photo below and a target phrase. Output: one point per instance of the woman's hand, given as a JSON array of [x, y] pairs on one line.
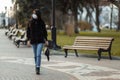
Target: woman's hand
[[46, 43], [28, 44]]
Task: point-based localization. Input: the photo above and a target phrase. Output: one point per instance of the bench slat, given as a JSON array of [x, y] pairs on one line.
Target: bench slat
[[85, 37], [84, 47], [84, 40]]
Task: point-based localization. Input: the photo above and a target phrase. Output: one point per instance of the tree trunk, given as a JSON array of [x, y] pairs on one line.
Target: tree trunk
[[118, 28], [97, 15], [75, 20], [75, 11], [111, 17]]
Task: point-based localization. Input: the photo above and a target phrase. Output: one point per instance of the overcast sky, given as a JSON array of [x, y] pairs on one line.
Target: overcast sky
[[4, 3]]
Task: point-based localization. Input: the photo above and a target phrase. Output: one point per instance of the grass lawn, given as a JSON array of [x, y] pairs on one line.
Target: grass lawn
[[63, 39]]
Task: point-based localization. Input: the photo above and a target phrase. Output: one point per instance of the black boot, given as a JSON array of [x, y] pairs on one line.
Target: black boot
[[37, 70]]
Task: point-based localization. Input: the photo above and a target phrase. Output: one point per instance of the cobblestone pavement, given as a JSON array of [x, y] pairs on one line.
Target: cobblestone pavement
[[79, 70], [18, 64], [15, 71]]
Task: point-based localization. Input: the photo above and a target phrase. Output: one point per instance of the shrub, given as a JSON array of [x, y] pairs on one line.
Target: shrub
[[83, 25]]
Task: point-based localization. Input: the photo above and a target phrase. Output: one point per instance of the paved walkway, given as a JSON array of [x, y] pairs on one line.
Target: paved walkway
[[18, 64]]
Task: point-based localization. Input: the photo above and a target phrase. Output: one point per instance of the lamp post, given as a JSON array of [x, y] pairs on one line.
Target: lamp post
[[16, 8], [53, 28]]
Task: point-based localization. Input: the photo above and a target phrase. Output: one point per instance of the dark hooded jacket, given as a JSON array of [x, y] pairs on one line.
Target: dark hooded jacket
[[36, 31]]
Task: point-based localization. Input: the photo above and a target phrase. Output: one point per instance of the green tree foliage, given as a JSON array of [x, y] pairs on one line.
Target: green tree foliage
[[26, 7]]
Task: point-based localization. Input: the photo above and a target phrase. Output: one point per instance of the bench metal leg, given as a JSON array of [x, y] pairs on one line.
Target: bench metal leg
[[76, 53], [66, 52], [17, 43], [109, 52], [102, 50], [99, 54]]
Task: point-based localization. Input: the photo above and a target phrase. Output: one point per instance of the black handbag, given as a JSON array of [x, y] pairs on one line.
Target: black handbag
[[47, 53]]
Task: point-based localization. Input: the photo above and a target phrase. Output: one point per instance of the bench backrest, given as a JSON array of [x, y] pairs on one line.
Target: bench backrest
[[100, 42]]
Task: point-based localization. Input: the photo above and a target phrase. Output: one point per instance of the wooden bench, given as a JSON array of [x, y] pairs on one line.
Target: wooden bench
[[21, 39], [100, 44]]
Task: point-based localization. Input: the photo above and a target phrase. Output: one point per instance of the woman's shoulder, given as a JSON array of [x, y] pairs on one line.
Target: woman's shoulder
[[31, 21], [41, 21]]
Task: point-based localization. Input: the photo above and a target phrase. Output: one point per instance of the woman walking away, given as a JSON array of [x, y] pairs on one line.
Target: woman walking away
[[37, 36]]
